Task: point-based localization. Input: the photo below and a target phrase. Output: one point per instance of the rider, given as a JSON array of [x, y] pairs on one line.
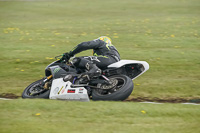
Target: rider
[[104, 54]]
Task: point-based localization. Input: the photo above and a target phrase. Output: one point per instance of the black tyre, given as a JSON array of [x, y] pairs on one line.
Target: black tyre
[[28, 91], [120, 92]]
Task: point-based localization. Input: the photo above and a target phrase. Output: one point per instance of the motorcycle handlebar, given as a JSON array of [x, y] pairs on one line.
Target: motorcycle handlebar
[[60, 58]]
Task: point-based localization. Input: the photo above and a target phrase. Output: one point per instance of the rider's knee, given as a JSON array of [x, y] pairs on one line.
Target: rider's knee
[[76, 61]]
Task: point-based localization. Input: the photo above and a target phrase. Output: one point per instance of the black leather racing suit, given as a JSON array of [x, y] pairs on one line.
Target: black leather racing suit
[[103, 54]]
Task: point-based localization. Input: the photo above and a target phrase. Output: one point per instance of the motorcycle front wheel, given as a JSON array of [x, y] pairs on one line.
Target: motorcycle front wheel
[[34, 90], [122, 89]]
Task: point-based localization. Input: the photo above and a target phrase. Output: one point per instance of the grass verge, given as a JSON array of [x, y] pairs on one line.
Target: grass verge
[[60, 116]]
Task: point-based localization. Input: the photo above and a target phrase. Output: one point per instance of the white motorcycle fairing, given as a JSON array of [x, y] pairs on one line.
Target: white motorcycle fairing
[[127, 62], [63, 91]]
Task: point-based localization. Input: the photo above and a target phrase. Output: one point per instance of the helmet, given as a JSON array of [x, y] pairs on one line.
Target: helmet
[[105, 39]]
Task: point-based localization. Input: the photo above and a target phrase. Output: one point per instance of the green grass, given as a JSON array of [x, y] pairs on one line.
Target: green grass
[[165, 33], [61, 116]]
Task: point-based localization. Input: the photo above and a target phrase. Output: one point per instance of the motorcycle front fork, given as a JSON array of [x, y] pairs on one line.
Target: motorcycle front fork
[[43, 83], [47, 78]]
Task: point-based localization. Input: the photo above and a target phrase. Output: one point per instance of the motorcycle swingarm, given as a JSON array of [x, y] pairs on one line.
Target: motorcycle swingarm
[[98, 81]]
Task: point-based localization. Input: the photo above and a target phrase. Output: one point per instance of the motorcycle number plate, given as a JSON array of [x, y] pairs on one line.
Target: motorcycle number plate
[[63, 91]]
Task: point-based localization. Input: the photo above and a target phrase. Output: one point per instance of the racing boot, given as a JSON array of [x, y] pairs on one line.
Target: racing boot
[[93, 70]]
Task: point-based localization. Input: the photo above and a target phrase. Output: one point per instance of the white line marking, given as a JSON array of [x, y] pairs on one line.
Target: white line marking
[[151, 102], [163, 103], [191, 103], [5, 99]]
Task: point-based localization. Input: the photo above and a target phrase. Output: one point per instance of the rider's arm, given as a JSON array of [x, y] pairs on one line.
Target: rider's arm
[[85, 46]]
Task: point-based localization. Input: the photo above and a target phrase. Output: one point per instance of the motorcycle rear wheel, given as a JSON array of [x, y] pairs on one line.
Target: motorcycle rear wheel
[[121, 91], [27, 92]]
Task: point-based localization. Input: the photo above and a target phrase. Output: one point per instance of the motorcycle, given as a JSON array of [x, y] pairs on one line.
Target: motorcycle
[[65, 82]]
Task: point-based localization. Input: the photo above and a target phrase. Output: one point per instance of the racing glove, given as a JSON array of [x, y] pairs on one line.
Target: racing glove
[[66, 57]]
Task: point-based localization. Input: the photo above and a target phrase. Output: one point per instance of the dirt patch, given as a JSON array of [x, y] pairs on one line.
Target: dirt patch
[[9, 95], [132, 99], [164, 100]]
